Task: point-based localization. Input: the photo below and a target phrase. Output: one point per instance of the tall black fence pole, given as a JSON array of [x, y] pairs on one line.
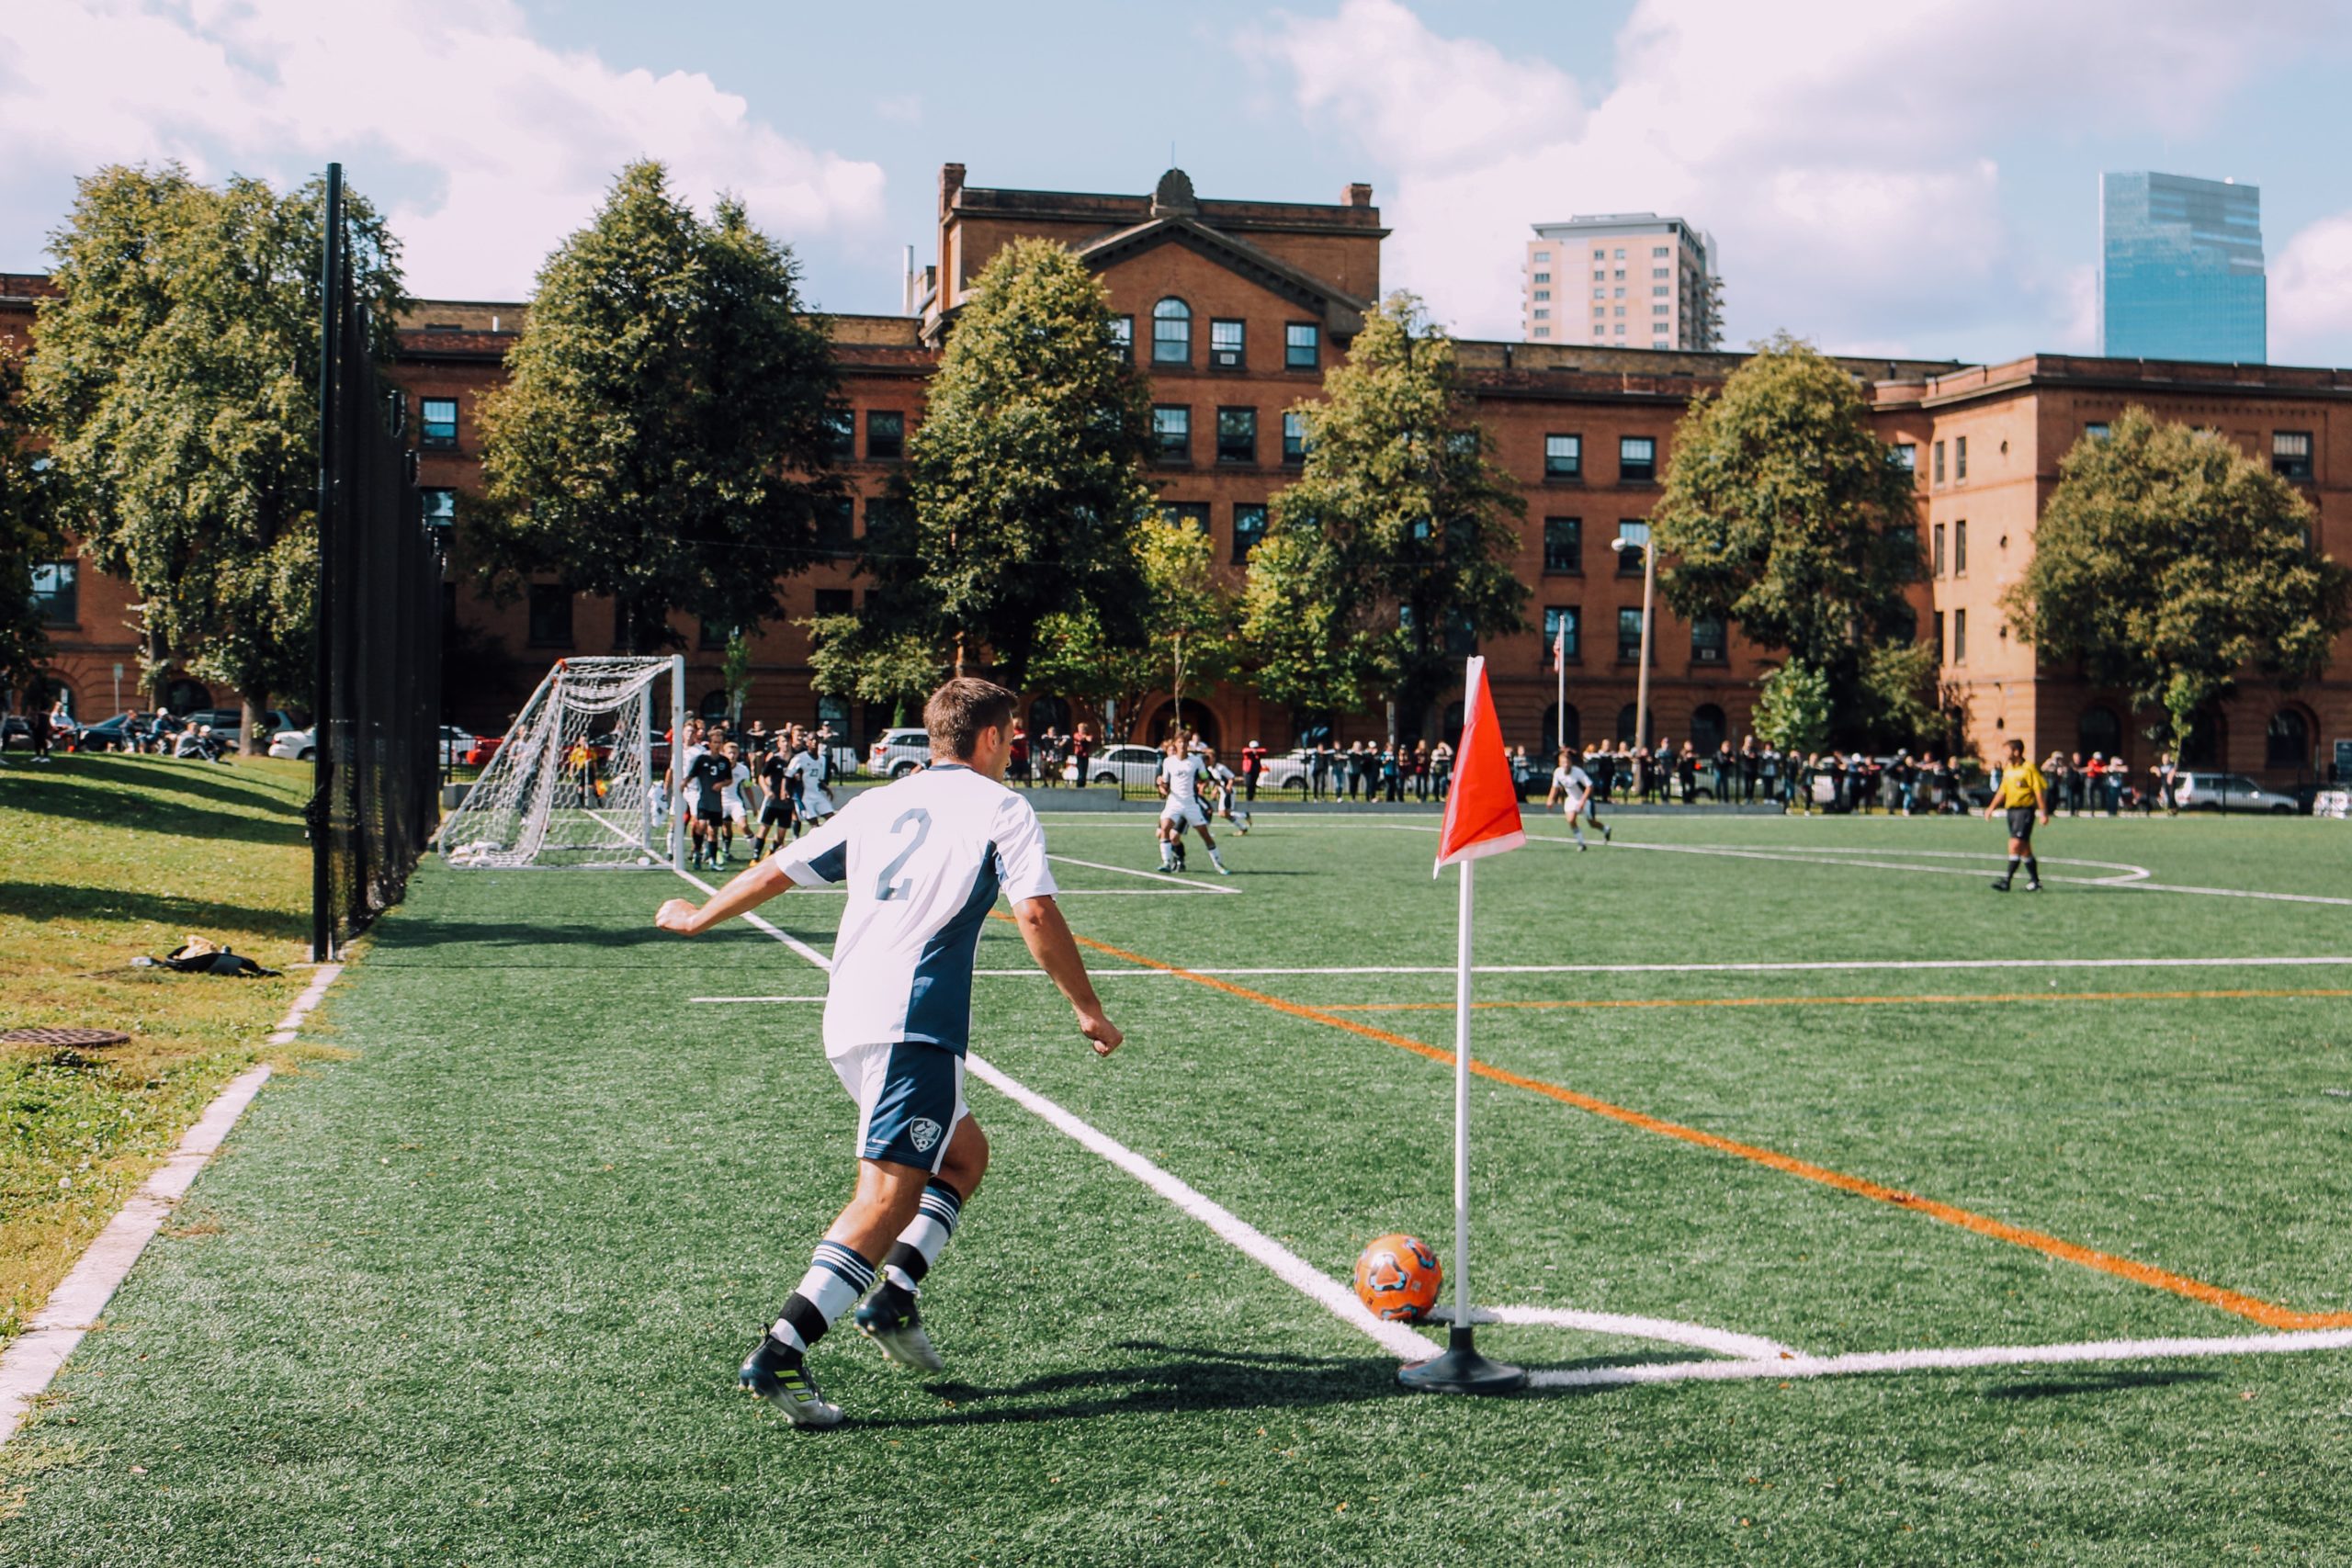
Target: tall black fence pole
[[330, 293]]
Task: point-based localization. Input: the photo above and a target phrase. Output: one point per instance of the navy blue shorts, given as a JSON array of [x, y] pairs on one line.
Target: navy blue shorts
[[909, 1096]]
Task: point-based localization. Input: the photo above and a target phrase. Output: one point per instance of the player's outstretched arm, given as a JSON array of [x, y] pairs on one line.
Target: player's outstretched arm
[[754, 886], [1056, 951]]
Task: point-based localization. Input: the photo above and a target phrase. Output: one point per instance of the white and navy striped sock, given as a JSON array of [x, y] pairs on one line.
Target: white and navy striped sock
[[925, 1238], [837, 1276]]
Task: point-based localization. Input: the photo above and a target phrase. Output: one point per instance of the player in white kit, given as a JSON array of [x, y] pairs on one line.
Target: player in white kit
[[922, 861], [1181, 772], [1572, 786]]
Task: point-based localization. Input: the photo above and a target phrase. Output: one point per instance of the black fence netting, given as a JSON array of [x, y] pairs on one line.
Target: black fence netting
[[378, 676]]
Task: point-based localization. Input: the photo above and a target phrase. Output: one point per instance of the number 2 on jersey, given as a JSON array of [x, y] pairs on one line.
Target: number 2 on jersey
[[885, 889]]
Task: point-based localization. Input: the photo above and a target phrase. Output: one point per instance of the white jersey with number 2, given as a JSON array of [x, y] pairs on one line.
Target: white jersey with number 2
[[922, 861]]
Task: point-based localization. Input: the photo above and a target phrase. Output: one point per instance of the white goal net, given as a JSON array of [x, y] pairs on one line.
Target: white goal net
[[572, 782]]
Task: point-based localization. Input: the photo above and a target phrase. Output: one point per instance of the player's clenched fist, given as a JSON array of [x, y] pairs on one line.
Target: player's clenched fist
[[677, 915], [1102, 1031]]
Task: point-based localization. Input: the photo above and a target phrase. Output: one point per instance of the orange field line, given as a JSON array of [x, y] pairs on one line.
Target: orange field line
[[1545, 1006], [2269, 1314]]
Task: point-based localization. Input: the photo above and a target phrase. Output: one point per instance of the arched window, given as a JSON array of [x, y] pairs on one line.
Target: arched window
[[833, 713], [2205, 749], [2288, 742], [1625, 724], [713, 705], [1049, 712], [185, 697], [1172, 332], [1706, 728], [1560, 728], [2099, 731], [1450, 730]]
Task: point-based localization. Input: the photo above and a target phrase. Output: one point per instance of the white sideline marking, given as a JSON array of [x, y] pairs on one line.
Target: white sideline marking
[[33, 1358], [793, 943], [756, 998], [1189, 886], [1760, 968], [1776, 1362], [1955, 1358]]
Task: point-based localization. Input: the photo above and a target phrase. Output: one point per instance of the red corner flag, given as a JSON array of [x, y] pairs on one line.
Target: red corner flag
[[1482, 811]]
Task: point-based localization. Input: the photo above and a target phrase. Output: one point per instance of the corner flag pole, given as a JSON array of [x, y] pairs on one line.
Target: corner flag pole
[[1481, 820]]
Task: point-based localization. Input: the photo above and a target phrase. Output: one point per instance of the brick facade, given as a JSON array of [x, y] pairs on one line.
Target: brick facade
[[1275, 267]]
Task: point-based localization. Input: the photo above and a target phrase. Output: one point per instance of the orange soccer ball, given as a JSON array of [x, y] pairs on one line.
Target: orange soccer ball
[[1398, 1277]]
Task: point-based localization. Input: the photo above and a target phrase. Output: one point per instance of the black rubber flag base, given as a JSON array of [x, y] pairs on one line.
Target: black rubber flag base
[[1461, 1370]]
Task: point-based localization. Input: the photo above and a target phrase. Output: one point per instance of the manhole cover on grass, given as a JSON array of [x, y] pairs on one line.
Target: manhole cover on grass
[[75, 1037]]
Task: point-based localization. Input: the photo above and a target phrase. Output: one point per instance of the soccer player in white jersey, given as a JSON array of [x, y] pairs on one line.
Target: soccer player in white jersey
[[809, 768], [922, 861], [1228, 791], [1572, 786], [1181, 772]]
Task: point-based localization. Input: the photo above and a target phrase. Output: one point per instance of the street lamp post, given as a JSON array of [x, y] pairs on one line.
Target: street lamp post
[[1637, 536]]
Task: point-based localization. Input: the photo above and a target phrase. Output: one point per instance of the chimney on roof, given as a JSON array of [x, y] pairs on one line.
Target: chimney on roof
[[1358, 195], [951, 186]]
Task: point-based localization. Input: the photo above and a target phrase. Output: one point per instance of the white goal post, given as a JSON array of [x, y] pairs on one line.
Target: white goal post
[[574, 782]]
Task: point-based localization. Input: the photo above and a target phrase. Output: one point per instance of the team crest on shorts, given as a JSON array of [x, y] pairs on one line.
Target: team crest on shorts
[[923, 1132]]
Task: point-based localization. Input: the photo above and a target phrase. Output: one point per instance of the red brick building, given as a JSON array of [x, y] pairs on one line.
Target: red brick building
[[1235, 311]]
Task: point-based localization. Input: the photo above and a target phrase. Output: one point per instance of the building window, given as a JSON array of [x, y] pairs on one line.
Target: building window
[[1708, 640], [1542, 255], [440, 509], [1657, 251], [1938, 462], [1249, 528], [1563, 637], [1543, 332], [2290, 454], [1193, 514], [836, 535], [1563, 544], [886, 435], [1659, 309], [2286, 743], [1636, 459], [57, 592], [1295, 438], [1172, 332], [1940, 549], [1940, 637], [713, 635], [1959, 637], [1301, 345], [1237, 436], [1227, 340], [1960, 549], [1959, 460], [440, 423], [1542, 277], [840, 435], [1629, 560], [1171, 431], [1562, 456], [1542, 294], [833, 602], [1543, 313], [1906, 456], [2095, 430], [1629, 635], [550, 615], [1122, 338]]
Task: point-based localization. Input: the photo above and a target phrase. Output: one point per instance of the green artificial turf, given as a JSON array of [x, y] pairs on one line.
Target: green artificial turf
[[477, 1296]]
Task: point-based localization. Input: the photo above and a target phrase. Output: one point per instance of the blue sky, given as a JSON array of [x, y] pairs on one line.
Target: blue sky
[[1915, 179]]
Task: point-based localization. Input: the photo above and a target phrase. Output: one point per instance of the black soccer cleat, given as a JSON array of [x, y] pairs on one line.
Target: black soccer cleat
[[891, 1320], [777, 1372], [2002, 886]]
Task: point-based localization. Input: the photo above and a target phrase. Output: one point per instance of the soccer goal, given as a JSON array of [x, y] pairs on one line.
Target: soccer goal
[[575, 781]]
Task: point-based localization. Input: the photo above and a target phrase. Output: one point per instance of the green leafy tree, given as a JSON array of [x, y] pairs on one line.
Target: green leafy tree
[[174, 374], [1189, 630], [2170, 563], [1793, 708], [28, 536], [1026, 485], [663, 439], [1785, 513], [1397, 542]]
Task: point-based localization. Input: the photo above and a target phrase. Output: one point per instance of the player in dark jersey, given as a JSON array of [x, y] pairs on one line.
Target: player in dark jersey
[[776, 806], [708, 774]]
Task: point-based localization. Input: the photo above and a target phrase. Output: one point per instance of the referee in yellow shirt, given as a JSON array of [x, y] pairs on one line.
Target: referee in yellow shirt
[[2024, 793]]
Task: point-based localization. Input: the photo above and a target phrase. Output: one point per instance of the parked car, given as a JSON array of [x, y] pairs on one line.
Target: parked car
[[896, 753], [228, 723], [300, 745], [1294, 769], [455, 744], [484, 748], [1123, 766], [2228, 792], [124, 732]]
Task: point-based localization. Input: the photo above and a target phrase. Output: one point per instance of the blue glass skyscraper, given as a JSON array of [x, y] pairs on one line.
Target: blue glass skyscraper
[[2180, 269]]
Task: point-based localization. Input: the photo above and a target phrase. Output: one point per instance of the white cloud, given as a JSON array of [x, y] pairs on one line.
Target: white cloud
[[1841, 152], [2310, 295], [498, 144]]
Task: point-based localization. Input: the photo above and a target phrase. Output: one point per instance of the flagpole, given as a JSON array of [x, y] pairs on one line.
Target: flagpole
[[1461, 1368]]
